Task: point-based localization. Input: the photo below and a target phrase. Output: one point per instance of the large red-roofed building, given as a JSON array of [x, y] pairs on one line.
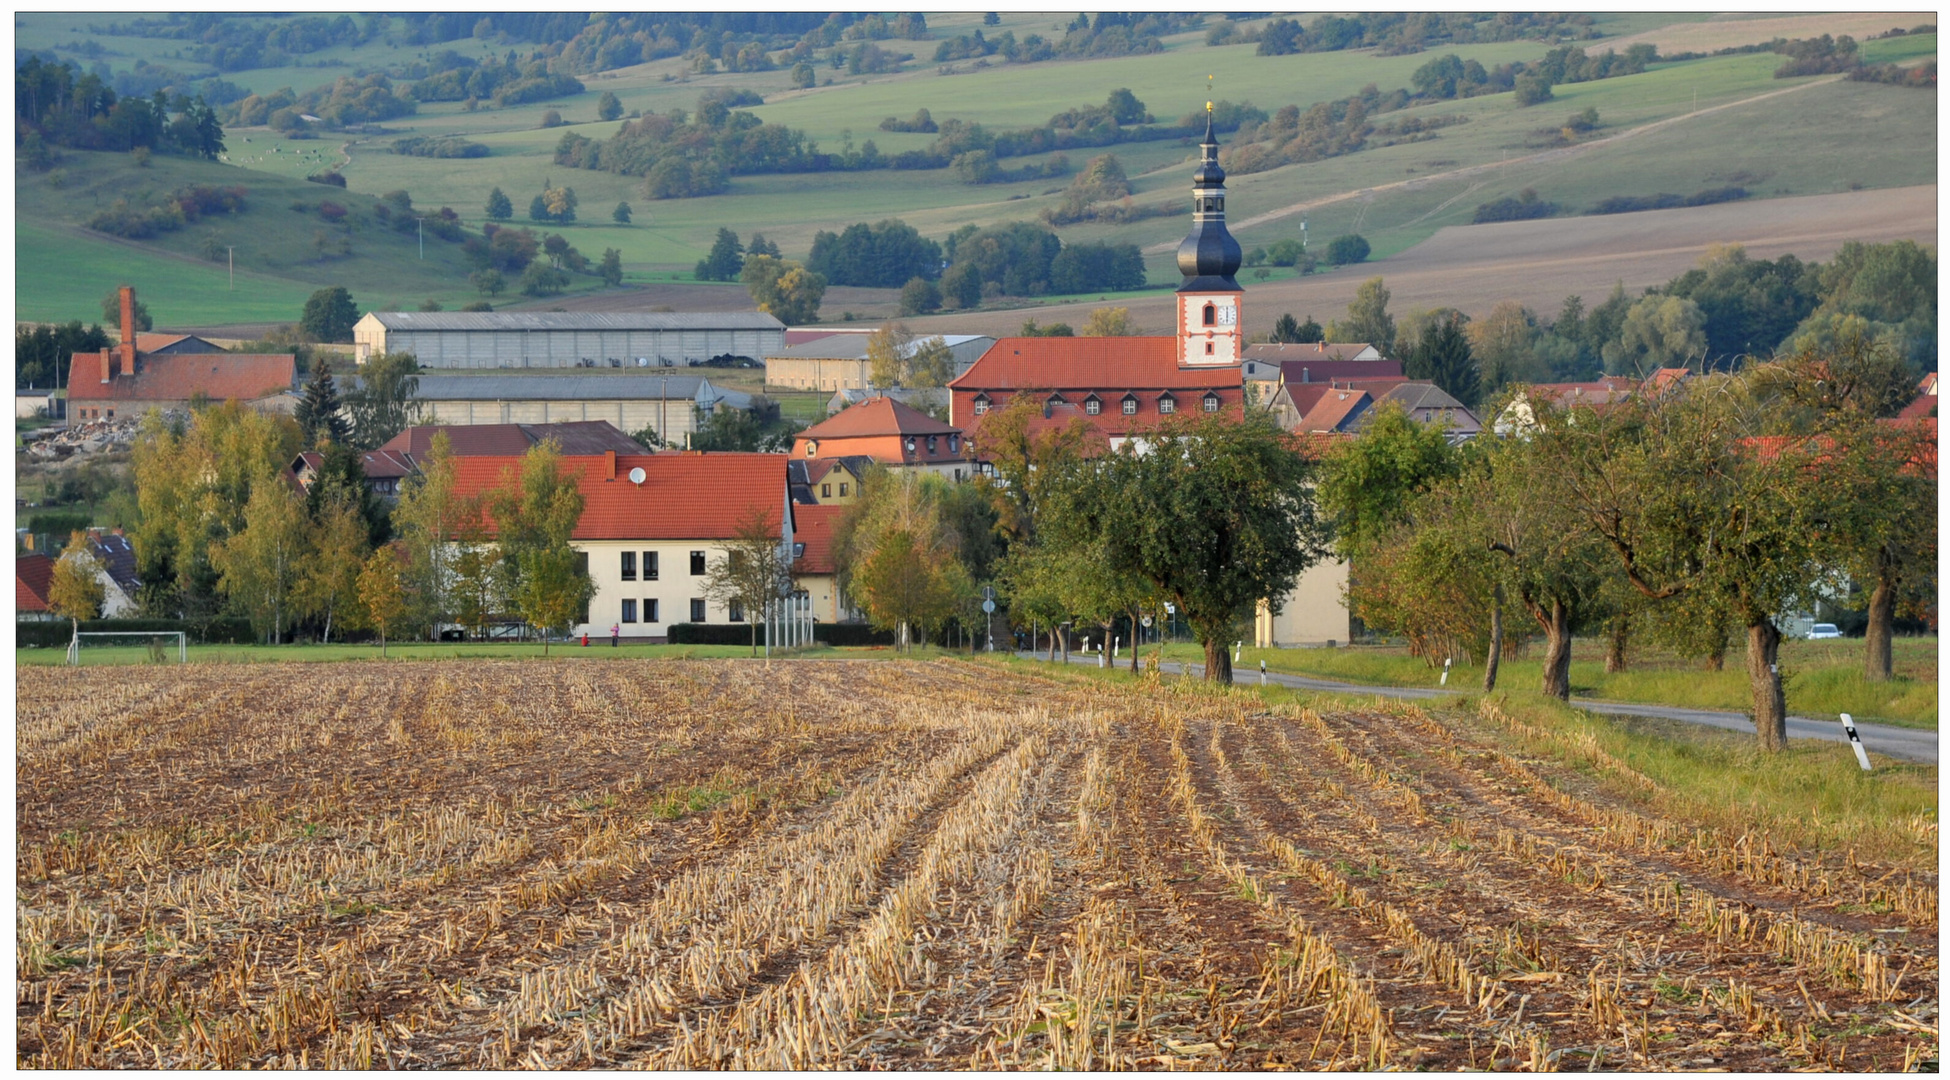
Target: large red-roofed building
[[128, 380], [651, 540]]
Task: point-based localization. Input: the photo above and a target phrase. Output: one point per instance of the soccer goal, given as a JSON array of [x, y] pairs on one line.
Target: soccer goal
[[156, 641]]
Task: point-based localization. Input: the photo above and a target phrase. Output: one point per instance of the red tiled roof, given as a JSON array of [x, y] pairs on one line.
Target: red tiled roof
[[33, 577], [1089, 363], [146, 342], [1287, 352], [182, 376], [1334, 409], [684, 496], [1296, 372], [813, 527], [877, 416]]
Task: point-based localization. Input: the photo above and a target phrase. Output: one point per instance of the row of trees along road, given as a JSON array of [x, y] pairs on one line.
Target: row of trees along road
[[1685, 517]]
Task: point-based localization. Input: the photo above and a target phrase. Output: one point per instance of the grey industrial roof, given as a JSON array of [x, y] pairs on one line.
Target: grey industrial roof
[[630, 387], [854, 346], [577, 320]]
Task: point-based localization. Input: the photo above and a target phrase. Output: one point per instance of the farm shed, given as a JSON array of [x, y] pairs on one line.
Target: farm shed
[[839, 361], [566, 339]]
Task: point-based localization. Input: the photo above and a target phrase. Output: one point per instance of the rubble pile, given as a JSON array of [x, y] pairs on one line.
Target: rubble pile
[[90, 437]]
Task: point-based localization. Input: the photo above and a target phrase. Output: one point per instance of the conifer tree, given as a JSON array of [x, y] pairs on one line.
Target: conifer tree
[[319, 413]]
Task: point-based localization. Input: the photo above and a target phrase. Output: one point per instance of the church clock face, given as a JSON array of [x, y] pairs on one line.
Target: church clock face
[[1228, 315]]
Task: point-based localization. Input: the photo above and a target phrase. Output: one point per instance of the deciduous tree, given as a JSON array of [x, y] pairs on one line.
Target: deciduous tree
[[383, 593], [259, 566], [76, 591], [1367, 319], [329, 315], [754, 570]]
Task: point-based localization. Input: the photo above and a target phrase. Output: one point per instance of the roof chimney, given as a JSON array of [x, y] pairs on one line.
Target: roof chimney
[[128, 328], [108, 365], [609, 464]]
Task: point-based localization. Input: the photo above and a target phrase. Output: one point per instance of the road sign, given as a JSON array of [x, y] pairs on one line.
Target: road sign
[[1146, 620], [988, 607], [988, 592], [1171, 609]]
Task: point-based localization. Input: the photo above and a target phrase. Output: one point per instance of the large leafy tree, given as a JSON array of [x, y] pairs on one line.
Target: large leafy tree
[[329, 315], [783, 289], [1215, 513], [328, 582], [535, 516], [429, 513], [1367, 318], [384, 595], [898, 555], [259, 567], [1692, 505]]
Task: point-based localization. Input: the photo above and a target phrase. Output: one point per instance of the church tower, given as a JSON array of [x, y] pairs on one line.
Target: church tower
[[1208, 302]]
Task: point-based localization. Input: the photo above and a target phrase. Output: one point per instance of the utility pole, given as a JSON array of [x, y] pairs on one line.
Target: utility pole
[[423, 238], [233, 267]]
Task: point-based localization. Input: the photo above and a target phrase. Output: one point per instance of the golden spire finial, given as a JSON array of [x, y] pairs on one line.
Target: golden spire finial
[[1208, 93]]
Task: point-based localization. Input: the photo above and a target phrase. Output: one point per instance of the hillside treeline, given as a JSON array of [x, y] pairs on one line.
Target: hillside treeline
[[1725, 313], [55, 105], [1392, 33]]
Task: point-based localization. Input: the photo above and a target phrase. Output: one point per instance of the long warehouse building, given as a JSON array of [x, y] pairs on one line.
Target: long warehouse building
[[566, 339]]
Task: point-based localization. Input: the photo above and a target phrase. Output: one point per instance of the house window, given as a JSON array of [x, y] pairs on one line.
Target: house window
[[629, 567], [981, 406], [1130, 406], [111, 414], [650, 568], [842, 489], [1166, 404], [954, 444], [736, 611], [1211, 315], [825, 491], [934, 442], [798, 550], [812, 447], [650, 611], [1092, 406], [629, 611], [1211, 403], [1208, 348], [697, 564], [697, 611]]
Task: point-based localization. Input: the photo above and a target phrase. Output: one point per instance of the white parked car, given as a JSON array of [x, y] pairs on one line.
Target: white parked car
[[1823, 630]]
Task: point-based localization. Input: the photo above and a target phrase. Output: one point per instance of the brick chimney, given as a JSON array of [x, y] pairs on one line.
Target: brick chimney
[[128, 329], [108, 365]]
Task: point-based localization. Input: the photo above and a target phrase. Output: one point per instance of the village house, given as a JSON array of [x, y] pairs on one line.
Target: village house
[[652, 526], [121, 587], [815, 573], [404, 454], [827, 481], [889, 433], [126, 381]]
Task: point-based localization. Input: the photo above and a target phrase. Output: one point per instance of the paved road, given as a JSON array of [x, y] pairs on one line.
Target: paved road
[[1910, 744]]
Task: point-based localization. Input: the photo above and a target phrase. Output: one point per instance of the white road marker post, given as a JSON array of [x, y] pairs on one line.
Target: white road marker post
[[1855, 740], [1445, 670], [1235, 652], [1262, 673]]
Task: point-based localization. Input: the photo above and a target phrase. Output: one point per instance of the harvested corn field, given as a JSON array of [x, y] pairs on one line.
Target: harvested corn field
[[900, 865]]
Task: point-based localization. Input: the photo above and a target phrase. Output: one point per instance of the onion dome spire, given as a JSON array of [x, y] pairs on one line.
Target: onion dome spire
[[1209, 256]]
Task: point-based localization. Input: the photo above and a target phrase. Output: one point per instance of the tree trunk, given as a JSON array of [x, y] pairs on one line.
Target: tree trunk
[[1495, 657], [1218, 661], [1882, 628], [1065, 635], [328, 626], [1136, 636], [1716, 657], [1764, 676], [1557, 651], [1621, 635]]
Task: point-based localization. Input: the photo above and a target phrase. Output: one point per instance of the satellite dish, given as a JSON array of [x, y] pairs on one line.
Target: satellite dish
[[636, 476]]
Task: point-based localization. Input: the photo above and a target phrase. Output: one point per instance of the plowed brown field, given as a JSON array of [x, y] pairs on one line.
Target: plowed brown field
[[861, 865]]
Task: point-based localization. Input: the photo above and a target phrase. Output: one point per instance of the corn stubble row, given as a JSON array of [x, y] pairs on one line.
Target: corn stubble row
[[720, 865]]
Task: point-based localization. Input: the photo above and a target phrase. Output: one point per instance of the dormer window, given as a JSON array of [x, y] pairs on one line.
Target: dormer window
[[1211, 403], [1056, 399], [933, 445], [1093, 405], [1130, 405], [910, 444], [954, 444], [812, 447], [981, 404], [1211, 315], [1167, 404]]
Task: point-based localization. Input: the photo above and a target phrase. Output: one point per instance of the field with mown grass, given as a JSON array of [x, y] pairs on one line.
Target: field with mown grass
[[599, 648], [1822, 678], [942, 865]]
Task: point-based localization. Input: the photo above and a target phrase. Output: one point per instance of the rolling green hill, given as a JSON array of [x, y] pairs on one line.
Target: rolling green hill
[[1686, 126]]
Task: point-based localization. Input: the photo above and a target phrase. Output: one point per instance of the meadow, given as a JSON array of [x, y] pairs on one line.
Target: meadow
[[1823, 678], [931, 865]]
